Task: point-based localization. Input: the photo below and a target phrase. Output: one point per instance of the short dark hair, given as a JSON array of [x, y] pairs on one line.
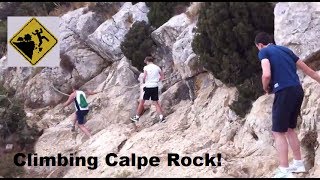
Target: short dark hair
[[149, 59], [75, 86], [263, 38]]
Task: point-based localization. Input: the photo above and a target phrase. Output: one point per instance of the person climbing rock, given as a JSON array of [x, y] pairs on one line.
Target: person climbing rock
[[151, 77], [279, 76], [82, 107]]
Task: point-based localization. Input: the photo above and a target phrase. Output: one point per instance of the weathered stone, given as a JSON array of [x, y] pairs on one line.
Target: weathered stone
[[297, 25], [107, 38], [185, 60]]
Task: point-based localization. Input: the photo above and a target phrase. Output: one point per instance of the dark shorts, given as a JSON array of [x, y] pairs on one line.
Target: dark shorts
[[286, 108], [152, 93], [81, 116]]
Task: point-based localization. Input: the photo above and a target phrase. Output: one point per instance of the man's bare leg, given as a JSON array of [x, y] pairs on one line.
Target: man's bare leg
[[85, 130], [159, 109], [74, 119], [298, 164], [282, 148], [140, 107], [139, 111], [294, 143], [73, 128]]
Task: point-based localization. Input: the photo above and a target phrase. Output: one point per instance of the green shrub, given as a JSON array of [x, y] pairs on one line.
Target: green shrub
[[3, 100], [27, 8], [34, 8], [225, 45], [7, 167], [3, 32], [3, 37], [138, 44], [3, 90], [105, 9], [13, 120], [161, 12]]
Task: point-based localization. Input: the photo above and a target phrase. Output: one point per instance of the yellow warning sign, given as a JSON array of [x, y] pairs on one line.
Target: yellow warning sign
[[33, 41]]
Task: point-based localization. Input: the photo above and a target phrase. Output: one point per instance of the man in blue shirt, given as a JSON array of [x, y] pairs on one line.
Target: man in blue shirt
[[279, 76]]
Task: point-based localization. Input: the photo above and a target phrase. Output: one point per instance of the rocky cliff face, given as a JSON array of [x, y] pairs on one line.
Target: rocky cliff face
[[297, 26], [199, 120]]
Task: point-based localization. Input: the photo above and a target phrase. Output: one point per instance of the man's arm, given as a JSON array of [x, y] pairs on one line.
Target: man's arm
[[91, 92], [161, 75], [144, 76], [266, 74], [70, 99], [307, 70]]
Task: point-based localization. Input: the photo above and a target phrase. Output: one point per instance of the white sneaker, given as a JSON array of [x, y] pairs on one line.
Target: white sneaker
[[134, 119], [280, 174], [296, 168], [162, 120]]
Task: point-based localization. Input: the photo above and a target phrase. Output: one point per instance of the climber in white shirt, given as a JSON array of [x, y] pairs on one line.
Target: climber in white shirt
[[151, 78], [82, 107]]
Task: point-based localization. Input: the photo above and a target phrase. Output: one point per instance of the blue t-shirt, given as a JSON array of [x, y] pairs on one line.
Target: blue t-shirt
[[283, 66]]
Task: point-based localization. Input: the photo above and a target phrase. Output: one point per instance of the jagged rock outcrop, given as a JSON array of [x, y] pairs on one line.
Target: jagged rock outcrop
[[117, 96], [207, 125], [196, 104], [297, 26], [16, 78], [107, 38], [175, 54], [185, 60], [38, 91], [309, 134], [167, 34], [182, 123], [77, 24]]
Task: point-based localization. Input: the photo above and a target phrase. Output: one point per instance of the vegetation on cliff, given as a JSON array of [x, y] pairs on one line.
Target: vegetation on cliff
[[225, 45]]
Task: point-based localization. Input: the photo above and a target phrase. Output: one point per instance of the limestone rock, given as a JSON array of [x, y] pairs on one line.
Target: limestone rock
[[78, 23], [167, 34], [185, 60], [297, 25], [107, 38]]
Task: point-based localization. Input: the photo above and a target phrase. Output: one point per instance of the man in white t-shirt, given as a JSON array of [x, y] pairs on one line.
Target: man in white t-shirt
[[152, 75]]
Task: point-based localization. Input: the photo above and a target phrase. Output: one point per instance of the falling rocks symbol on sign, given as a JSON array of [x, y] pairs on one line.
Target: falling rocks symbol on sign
[[26, 45]]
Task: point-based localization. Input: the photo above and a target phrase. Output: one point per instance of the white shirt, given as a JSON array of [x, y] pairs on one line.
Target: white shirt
[[153, 75], [78, 93]]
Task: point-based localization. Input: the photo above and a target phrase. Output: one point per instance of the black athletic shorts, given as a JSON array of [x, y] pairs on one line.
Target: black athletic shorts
[[81, 115], [286, 108], [152, 93]]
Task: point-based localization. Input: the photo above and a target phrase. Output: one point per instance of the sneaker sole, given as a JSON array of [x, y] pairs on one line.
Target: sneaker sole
[[163, 121], [298, 171], [285, 176], [134, 120]]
